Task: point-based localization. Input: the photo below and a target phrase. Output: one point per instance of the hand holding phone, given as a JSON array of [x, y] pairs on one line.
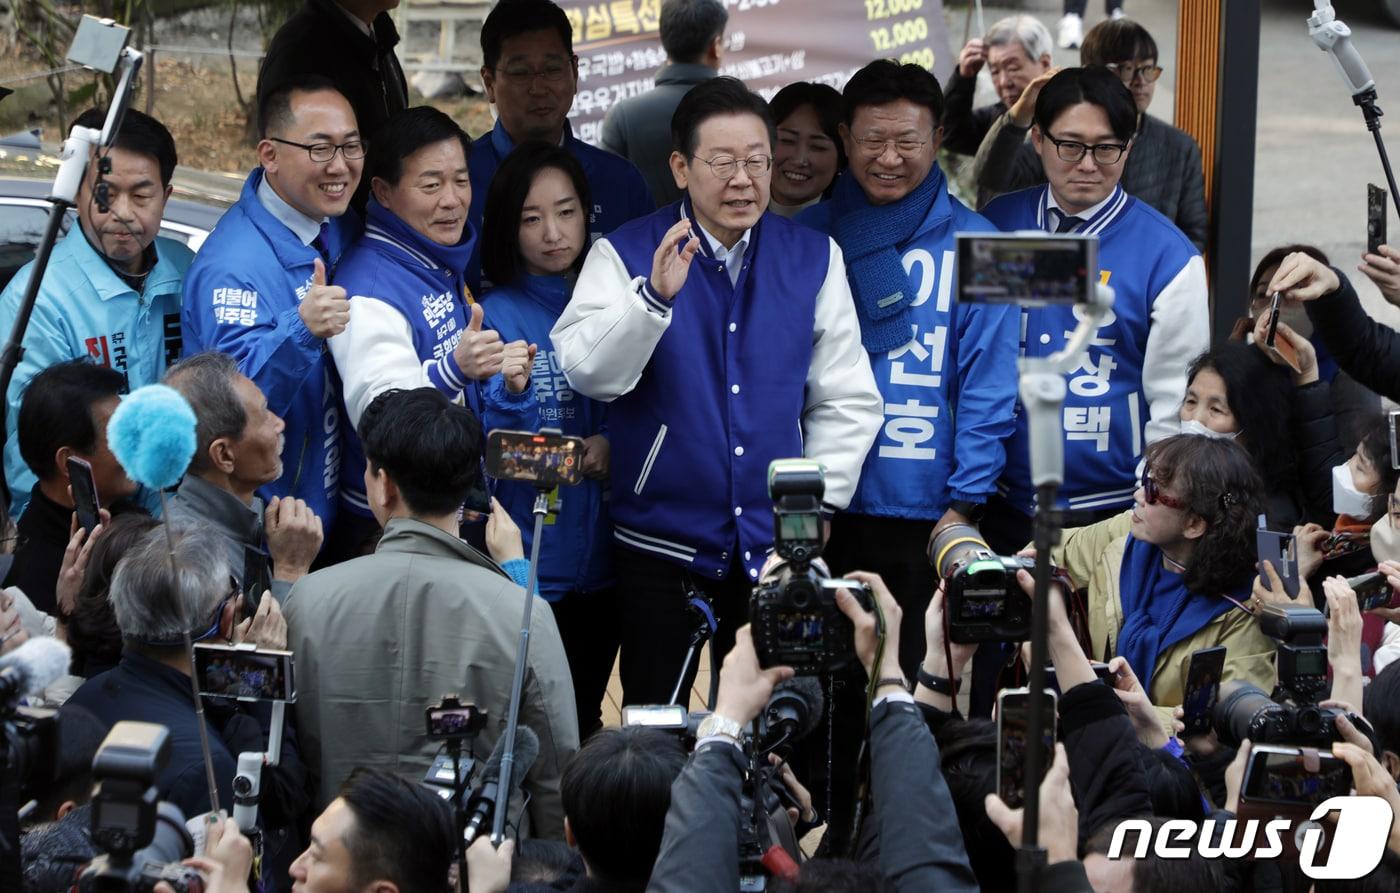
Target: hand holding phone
[[1013, 717], [1280, 550], [83, 488], [1202, 689], [1375, 218]]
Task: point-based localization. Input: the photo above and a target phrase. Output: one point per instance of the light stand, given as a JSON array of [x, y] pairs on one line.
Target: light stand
[[517, 685], [101, 45], [1042, 392], [1334, 37]]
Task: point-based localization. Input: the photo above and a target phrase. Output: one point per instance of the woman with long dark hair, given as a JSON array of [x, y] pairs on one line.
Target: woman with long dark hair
[[535, 235], [1173, 574]]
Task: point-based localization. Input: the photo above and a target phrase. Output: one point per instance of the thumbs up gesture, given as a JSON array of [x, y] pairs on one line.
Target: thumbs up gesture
[[325, 309], [479, 354]]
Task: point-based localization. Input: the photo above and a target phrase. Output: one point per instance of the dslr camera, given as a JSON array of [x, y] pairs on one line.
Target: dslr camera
[[984, 603], [143, 839], [793, 610], [1291, 716]]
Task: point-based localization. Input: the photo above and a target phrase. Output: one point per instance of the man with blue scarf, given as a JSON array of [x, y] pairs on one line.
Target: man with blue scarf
[[947, 371], [410, 325]]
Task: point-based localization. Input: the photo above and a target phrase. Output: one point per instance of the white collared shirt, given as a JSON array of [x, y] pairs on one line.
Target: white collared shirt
[[304, 227], [1061, 213], [732, 258], [359, 23]]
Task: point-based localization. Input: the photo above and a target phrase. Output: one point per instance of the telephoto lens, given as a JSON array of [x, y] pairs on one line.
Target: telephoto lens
[[1241, 711], [955, 545]]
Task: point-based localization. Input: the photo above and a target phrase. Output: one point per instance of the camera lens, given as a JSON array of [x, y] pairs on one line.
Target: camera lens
[[1236, 709], [953, 545], [242, 785]]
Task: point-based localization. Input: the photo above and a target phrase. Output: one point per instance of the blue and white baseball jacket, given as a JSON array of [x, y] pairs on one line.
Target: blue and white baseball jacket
[[619, 193], [241, 297], [1128, 390], [950, 392], [575, 554], [409, 306], [84, 309], [707, 389]]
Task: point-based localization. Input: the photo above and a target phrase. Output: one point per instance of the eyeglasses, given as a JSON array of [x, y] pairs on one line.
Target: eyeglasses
[[874, 147], [725, 167], [1128, 73], [1154, 495], [1104, 153], [524, 75], [217, 621], [324, 152]]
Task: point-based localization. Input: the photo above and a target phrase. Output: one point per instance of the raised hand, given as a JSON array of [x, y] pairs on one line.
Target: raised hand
[[480, 352], [972, 57], [325, 310], [294, 536], [670, 267], [517, 359], [1304, 278], [1024, 110]]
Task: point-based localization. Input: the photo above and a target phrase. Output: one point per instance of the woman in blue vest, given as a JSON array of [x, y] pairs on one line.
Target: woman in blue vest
[[535, 236], [1173, 574]]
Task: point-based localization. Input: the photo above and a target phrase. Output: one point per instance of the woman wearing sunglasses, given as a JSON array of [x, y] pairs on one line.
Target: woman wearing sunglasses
[[1173, 574]]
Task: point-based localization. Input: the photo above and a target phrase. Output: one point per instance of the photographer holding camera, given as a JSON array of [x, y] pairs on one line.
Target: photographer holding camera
[[920, 844]]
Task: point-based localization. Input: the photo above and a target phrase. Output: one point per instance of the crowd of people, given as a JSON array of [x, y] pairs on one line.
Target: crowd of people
[[728, 281]]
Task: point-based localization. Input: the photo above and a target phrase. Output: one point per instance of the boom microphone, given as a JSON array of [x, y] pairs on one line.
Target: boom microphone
[[32, 667], [527, 750], [793, 711]]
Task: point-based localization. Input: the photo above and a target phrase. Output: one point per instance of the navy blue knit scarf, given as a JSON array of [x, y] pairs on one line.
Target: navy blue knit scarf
[[869, 236]]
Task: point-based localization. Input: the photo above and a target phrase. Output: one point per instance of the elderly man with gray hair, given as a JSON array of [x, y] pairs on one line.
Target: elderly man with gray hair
[[238, 450], [157, 608], [1016, 50]]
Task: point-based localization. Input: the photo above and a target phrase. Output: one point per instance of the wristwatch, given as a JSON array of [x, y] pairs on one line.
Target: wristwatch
[[714, 724], [972, 511]]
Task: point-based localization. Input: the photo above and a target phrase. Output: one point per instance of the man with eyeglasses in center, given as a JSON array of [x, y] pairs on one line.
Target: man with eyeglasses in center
[[259, 288], [1127, 391], [723, 337], [530, 74]]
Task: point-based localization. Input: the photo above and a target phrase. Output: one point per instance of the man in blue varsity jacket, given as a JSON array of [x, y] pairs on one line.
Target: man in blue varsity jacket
[[724, 337], [412, 323], [1127, 391], [258, 289], [530, 74], [947, 372]]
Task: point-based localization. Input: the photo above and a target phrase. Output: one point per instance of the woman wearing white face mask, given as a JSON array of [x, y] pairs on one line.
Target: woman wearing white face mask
[[1234, 392]]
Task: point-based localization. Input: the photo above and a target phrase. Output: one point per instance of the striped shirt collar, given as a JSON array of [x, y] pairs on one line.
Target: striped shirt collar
[[1096, 218]]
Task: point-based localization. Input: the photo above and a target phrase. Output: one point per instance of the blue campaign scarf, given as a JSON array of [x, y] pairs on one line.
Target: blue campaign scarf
[[453, 257], [869, 236], [1158, 610]]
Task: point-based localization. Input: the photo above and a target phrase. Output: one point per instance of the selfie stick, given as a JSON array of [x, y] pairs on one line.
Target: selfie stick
[[1042, 391], [1334, 37], [517, 685], [72, 167]]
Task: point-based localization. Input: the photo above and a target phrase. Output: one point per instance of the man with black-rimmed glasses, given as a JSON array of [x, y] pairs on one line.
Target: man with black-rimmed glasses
[[259, 289], [1128, 389]]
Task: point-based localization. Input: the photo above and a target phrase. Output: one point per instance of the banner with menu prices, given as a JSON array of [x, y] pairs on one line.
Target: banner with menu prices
[[769, 44]]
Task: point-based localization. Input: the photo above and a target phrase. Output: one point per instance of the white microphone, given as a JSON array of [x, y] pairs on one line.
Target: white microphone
[[1334, 37], [33, 667]]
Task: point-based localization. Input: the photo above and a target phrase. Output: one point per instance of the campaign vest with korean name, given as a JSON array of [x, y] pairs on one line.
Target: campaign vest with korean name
[[949, 392], [721, 397], [1105, 414]]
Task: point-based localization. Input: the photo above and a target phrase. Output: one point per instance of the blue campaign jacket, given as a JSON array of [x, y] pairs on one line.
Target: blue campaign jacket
[[84, 309], [1159, 291], [575, 554], [241, 297], [949, 401], [682, 488], [619, 193]]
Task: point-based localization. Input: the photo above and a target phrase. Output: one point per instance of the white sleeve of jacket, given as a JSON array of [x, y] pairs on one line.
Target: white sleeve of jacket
[[844, 409], [607, 332], [376, 353], [1180, 331]]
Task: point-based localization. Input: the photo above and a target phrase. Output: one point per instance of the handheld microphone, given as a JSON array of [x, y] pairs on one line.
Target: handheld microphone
[[32, 667], [484, 800], [1334, 37]]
